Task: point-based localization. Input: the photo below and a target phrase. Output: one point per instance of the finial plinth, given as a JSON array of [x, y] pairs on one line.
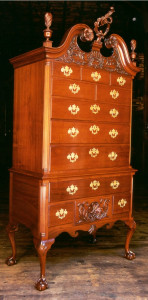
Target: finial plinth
[[48, 31]]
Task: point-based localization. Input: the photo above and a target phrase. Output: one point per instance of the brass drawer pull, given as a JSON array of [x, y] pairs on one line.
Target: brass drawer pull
[[114, 94], [73, 132], [74, 109], [121, 80], [114, 112], [93, 152], [122, 202], [61, 214], [96, 76], [94, 129], [114, 184], [72, 189], [95, 108], [66, 70], [112, 156], [74, 88], [72, 157], [113, 133], [94, 185]]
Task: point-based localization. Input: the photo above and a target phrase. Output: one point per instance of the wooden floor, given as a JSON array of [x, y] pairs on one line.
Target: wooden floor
[[76, 268]]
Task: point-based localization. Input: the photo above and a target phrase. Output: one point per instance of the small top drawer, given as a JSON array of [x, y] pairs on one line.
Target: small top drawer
[[66, 71], [120, 80], [95, 75]]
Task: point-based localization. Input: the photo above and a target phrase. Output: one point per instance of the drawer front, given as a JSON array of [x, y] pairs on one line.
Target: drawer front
[[93, 210], [61, 214], [73, 88], [95, 75], [113, 94], [121, 203], [86, 132], [86, 110], [121, 80], [66, 71], [90, 187], [88, 157]]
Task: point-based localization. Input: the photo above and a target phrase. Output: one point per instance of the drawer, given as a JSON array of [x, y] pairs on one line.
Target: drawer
[[121, 80], [73, 132], [88, 157], [121, 203], [89, 187], [65, 70], [86, 110], [113, 94], [94, 209], [61, 214], [95, 75], [73, 88]]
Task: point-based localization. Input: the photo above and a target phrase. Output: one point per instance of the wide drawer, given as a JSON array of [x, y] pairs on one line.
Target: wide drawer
[[61, 214], [86, 132], [89, 187], [86, 110], [73, 88], [121, 203], [88, 157], [121, 80], [66, 71], [113, 94], [93, 210]]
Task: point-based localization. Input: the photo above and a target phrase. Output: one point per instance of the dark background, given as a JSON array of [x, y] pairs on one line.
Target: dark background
[[21, 30]]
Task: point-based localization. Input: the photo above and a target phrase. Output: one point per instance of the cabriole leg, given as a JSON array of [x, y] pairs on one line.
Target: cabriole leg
[[42, 247], [132, 226], [10, 261]]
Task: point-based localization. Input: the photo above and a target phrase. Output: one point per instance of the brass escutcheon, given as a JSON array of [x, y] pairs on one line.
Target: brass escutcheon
[[61, 214], [112, 156], [95, 108], [93, 152], [122, 202], [74, 88], [66, 70], [94, 185], [114, 184], [73, 132], [113, 133], [96, 76], [114, 112], [121, 80], [114, 94], [72, 189], [94, 129], [72, 157], [74, 109]]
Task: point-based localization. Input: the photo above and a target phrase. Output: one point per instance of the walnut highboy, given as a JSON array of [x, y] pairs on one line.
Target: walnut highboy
[[71, 139]]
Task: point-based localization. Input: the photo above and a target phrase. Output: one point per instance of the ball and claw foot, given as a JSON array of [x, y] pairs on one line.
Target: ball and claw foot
[[41, 284], [130, 255], [10, 261]]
